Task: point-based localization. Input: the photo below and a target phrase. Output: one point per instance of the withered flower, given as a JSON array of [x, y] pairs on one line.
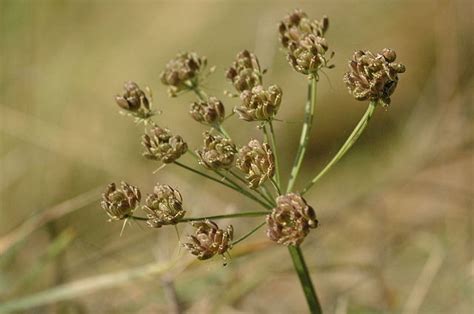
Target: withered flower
[[120, 203], [259, 104], [296, 25], [305, 43], [134, 100], [161, 145], [209, 240], [209, 112], [291, 220], [245, 72], [372, 76], [182, 72], [164, 206], [217, 152], [308, 55], [257, 162]]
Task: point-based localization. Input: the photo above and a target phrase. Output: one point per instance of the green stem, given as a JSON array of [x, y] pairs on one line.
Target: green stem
[[305, 133], [275, 153], [268, 199], [346, 146], [235, 215], [305, 279], [248, 234]]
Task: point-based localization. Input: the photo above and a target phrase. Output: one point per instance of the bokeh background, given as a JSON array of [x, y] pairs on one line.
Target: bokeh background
[[396, 216]]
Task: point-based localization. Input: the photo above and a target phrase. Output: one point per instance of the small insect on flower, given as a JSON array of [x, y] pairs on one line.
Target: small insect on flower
[[209, 240], [120, 203]]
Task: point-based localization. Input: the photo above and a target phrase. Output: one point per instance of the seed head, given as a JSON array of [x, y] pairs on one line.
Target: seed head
[[308, 55], [259, 104], [164, 206], [120, 203], [245, 72], [134, 100], [161, 145], [182, 73], [291, 220], [305, 43], [296, 25], [209, 240], [217, 152], [372, 76], [257, 162], [209, 112]]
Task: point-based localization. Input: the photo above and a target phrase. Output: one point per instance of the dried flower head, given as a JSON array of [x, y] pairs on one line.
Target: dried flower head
[[161, 145], [134, 100], [296, 25], [308, 55], [245, 72], [210, 112], [259, 104], [305, 43], [164, 206], [120, 203], [372, 76], [217, 152], [256, 160], [209, 240], [182, 72], [291, 220]]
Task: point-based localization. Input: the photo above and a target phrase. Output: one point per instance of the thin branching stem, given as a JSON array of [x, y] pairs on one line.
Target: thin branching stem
[[275, 153], [234, 215], [265, 197], [358, 130], [305, 133], [248, 234], [305, 279], [231, 186]]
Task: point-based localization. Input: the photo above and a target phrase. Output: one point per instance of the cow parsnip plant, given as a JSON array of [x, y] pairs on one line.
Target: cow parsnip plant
[[251, 169]]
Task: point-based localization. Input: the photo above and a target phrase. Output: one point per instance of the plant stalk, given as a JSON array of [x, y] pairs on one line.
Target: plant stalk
[[305, 133], [235, 215], [275, 153], [305, 279], [346, 146]]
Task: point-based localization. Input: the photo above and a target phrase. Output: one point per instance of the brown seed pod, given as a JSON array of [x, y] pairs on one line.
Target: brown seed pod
[[291, 220], [209, 240], [373, 77]]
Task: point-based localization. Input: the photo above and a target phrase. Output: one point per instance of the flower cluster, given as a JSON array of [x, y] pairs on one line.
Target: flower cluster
[[209, 112], [372, 76], [134, 101], [258, 103], [257, 162], [164, 206], [304, 41], [182, 73], [291, 220], [161, 145], [245, 72], [209, 240], [217, 152], [120, 203]]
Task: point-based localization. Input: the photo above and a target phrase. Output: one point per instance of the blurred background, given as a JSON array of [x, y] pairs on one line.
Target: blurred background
[[396, 232]]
